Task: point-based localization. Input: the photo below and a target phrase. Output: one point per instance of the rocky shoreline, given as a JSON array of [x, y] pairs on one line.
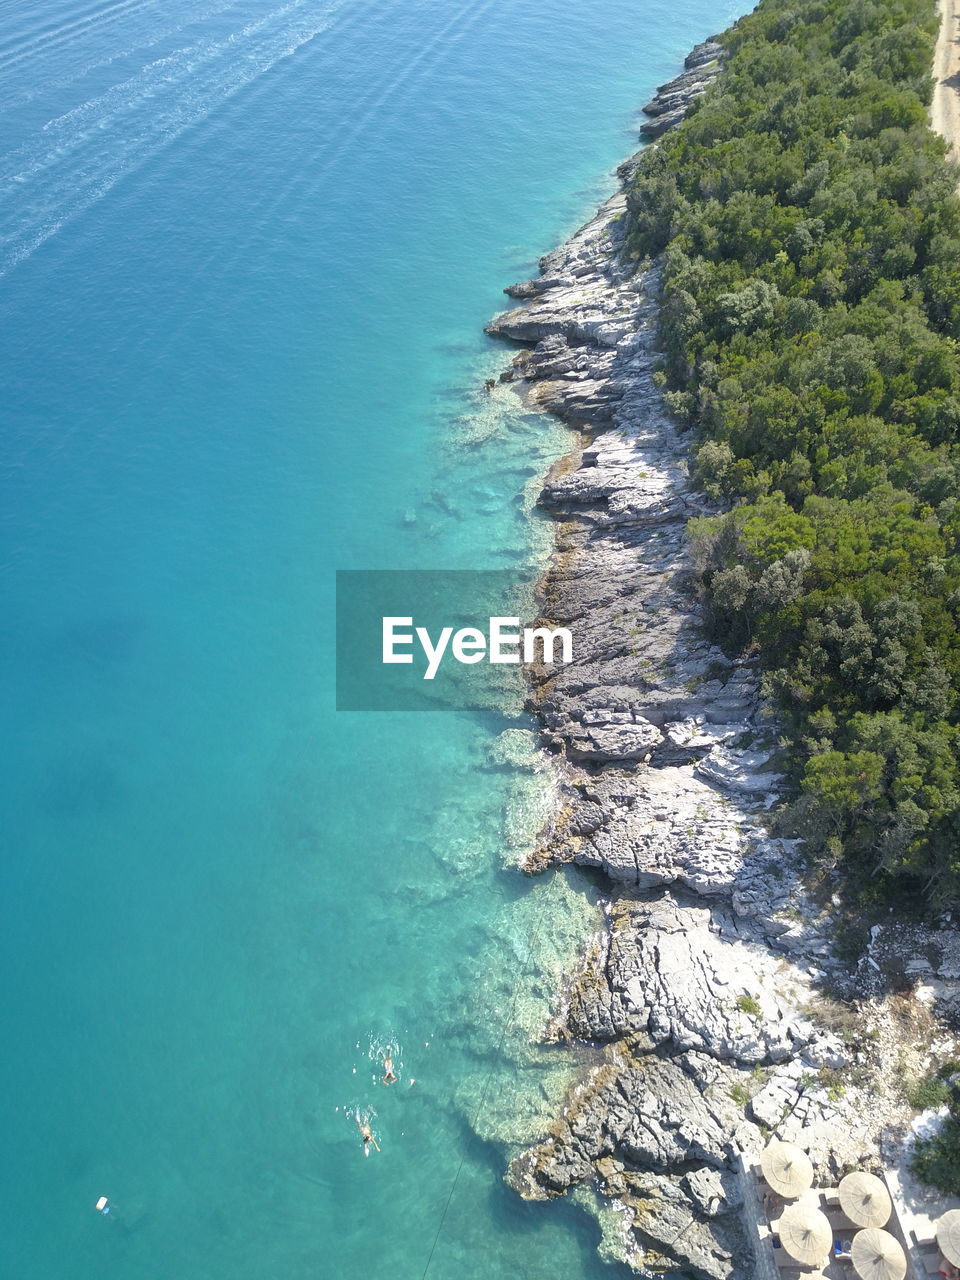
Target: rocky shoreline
[[706, 990], [672, 100]]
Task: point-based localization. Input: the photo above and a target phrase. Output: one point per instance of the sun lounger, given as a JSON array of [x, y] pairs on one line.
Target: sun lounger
[[929, 1252], [841, 1224]]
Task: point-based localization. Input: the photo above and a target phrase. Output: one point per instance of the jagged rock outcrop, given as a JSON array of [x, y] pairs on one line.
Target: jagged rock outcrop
[[672, 100], [682, 974]]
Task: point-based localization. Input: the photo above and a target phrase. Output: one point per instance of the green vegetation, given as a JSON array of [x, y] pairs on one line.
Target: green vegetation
[[739, 1093], [811, 311], [834, 1082], [749, 1005], [931, 1091], [936, 1160]]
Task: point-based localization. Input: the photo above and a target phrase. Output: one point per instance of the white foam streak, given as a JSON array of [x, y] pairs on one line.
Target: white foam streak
[[78, 157], [68, 32], [40, 83], [24, 33]]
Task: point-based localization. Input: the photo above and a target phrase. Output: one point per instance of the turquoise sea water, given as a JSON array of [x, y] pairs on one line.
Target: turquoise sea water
[[246, 252]]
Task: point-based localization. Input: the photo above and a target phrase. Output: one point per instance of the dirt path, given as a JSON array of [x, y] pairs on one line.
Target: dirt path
[[945, 111]]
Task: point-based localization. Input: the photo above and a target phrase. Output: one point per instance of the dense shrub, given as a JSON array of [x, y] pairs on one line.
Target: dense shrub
[[936, 1159]]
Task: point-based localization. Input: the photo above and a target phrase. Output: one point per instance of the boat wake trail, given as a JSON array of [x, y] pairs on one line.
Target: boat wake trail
[[65, 55], [59, 34], [77, 157]]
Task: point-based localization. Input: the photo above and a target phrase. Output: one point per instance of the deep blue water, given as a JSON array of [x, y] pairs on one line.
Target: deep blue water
[[246, 253]]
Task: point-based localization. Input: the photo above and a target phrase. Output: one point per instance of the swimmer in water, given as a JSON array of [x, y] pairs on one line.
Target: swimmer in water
[[389, 1075], [366, 1135]]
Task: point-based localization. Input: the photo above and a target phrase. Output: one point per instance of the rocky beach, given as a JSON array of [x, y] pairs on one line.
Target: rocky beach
[[725, 1005]]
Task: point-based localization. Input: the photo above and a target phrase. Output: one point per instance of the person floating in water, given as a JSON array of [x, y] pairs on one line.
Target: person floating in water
[[366, 1135], [389, 1075]]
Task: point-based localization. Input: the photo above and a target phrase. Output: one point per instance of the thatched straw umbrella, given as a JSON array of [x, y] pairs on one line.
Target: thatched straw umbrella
[[806, 1233], [865, 1200], [948, 1236], [878, 1256], [787, 1169]]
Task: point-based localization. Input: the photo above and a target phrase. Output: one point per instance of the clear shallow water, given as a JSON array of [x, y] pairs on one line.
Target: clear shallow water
[[246, 252]]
